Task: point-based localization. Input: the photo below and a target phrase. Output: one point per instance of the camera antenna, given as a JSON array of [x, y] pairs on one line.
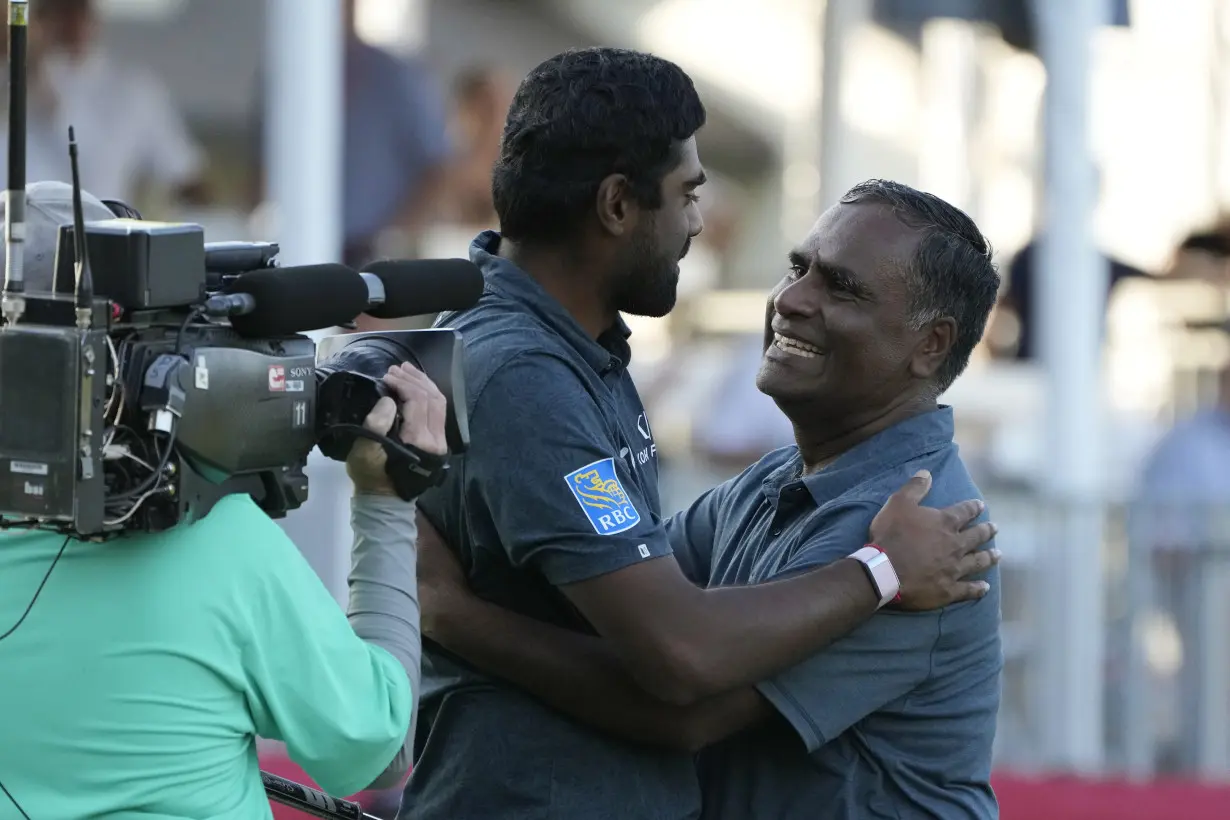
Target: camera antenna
[[12, 302], [84, 287]]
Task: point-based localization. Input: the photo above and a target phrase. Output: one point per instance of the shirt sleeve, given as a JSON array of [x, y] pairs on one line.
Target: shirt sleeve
[[878, 663], [550, 473], [341, 705], [384, 604], [692, 532]]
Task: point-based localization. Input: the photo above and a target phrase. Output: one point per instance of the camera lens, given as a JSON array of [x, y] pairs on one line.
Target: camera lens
[[348, 387]]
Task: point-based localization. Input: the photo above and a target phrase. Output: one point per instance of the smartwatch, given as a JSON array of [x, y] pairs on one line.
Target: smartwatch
[[880, 572]]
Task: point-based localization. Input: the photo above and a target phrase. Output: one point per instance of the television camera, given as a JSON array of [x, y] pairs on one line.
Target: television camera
[[163, 373]]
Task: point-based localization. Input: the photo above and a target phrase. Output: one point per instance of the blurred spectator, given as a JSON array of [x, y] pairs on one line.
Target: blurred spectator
[[481, 96], [1017, 306], [395, 145], [741, 423], [1180, 520], [129, 130], [1205, 255]]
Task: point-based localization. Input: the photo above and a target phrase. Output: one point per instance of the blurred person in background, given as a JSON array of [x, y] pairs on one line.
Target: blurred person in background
[[131, 135], [481, 96], [1204, 255], [740, 423], [1180, 520], [882, 306], [395, 148], [1015, 334]]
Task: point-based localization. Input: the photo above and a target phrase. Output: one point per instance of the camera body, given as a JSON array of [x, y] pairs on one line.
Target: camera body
[[148, 411]]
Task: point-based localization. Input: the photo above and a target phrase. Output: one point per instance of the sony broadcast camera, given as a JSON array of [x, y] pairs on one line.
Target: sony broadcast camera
[[163, 373]]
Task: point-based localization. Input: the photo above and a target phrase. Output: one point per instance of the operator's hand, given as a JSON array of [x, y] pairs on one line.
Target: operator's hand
[[422, 411], [932, 550], [442, 582]]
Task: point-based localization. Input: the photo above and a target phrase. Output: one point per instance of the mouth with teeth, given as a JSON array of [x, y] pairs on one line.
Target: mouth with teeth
[[796, 347]]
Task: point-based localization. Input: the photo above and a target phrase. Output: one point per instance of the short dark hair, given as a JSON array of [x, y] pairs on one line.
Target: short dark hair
[[952, 272], [579, 117]]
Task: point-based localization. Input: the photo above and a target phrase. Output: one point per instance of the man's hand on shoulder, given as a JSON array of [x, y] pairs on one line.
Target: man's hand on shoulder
[[423, 411], [933, 551]]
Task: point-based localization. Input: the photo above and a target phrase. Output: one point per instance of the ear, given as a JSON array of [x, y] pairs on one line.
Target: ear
[[933, 348], [617, 211]]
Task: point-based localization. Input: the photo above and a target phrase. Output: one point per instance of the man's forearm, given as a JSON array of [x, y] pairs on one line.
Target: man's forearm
[[685, 644], [582, 677], [384, 608], [750, 633]]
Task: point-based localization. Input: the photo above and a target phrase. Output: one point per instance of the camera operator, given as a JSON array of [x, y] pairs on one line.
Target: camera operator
[[137, 673]]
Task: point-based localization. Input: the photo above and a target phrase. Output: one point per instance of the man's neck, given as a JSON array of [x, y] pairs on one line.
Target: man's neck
[[822, 443], [563, 275]]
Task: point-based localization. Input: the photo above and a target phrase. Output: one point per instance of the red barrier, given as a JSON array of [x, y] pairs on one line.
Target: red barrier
[[1058, 798], [1020, 797]]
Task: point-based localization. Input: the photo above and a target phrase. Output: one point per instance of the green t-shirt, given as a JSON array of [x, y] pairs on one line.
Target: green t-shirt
[[137, 684]]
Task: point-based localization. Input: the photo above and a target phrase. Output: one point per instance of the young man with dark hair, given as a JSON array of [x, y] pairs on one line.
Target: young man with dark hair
[[555, 511]]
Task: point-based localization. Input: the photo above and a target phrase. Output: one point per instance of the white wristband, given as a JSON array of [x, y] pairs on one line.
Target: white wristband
[[880, 572]]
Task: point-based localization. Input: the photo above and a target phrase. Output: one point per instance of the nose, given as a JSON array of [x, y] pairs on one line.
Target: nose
[[696, 224], [797, 299]]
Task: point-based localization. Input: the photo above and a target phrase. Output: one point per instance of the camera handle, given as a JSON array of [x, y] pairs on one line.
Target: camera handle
[[412, 471], [311, 801]]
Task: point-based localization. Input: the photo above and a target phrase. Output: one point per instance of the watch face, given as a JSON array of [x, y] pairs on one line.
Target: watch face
[[886, 579]]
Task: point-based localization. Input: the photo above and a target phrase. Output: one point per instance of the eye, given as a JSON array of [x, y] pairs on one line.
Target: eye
[[841, 289], [796, 272], [692, 197], [839, 285]]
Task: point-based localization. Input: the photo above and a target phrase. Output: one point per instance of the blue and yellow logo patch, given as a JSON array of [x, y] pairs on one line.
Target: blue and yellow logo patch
[[602, 498]]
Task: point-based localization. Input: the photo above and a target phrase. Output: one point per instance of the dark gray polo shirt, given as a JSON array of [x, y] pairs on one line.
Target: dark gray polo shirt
[[897, 719], [560, 485]]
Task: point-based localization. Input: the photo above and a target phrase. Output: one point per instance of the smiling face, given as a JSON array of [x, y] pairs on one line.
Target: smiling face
[[839, 337]]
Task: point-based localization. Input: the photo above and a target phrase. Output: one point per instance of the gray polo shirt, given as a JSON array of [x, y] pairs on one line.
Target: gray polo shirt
[[560, 485], [897, 719]]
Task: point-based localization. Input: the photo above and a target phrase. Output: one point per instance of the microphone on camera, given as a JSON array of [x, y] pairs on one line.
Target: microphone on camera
[[285, 301], [420, 286]]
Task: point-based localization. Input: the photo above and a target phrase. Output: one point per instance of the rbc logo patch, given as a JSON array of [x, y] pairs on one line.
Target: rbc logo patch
[[602, 498]]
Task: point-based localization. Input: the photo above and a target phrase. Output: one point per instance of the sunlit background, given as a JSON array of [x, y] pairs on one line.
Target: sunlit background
[[806, 98]]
